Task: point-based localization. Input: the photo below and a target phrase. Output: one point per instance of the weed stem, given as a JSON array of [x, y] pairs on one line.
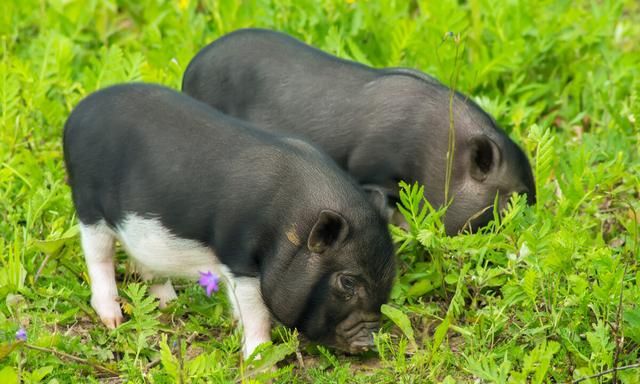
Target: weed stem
[[72, 358], [608, 371]]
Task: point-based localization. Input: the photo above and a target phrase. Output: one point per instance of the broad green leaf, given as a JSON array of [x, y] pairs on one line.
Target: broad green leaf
[[40, 373], [53, 246], [8, 376], [400, 319], [270, 355], [6, 349], [420, 288]]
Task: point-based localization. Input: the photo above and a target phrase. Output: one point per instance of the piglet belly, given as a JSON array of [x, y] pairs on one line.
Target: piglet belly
[[159, 253]]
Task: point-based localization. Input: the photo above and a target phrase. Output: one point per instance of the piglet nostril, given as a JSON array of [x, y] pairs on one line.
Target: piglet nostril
[[362, 344], [371, 340], [363, 341]]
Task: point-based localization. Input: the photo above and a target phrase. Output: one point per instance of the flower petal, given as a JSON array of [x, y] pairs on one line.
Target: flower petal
[[21, 334]]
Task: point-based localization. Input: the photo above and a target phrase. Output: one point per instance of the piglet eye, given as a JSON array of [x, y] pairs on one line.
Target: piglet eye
[[348, 284]]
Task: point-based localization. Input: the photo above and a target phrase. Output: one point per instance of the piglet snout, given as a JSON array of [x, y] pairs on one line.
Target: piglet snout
[[355, 334]]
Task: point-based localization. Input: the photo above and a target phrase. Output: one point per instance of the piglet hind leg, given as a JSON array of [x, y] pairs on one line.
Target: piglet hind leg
[[252, 312], [98, 245], [161, 290], [164, 292]]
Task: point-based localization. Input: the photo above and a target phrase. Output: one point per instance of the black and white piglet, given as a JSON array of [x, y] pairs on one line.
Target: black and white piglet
[[381, 125], [186, 189]]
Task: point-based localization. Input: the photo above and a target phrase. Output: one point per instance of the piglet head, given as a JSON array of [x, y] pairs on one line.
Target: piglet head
[[333, 286]]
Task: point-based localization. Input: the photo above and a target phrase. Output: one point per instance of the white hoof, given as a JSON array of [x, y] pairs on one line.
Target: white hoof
[[109, 311]]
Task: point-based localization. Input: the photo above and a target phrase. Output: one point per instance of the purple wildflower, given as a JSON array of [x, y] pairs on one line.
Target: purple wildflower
[[209, 282], [21, 335]]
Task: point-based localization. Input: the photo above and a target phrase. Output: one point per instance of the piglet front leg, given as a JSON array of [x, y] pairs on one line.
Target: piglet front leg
[[251, 311]]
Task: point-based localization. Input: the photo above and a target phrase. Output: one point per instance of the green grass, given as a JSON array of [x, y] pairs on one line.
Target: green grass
[[550, 293]]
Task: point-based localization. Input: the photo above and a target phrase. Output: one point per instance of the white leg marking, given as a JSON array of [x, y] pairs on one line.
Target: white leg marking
[[164, 293], [98, 247], [252, 312]]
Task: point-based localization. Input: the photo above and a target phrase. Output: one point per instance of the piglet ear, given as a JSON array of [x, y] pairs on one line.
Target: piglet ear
[[485, 157], [379, 197], [329, 231]]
